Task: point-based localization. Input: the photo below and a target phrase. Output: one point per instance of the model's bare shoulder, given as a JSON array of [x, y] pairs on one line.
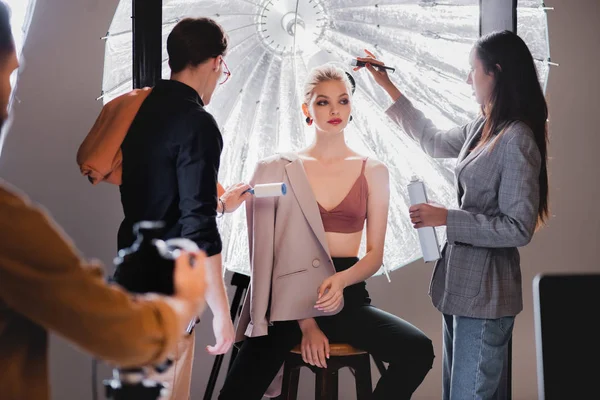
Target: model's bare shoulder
[[375, 165], [376, 171]]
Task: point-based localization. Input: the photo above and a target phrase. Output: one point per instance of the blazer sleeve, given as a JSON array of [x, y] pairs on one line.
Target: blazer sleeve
[[260, 214], [518, 200], [435, 142], [43, 279]]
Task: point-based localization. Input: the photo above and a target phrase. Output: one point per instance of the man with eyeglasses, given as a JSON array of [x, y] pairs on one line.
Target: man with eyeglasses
[[171, 157]]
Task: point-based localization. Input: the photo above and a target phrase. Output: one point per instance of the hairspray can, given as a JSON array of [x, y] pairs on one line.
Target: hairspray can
[[427, 237]]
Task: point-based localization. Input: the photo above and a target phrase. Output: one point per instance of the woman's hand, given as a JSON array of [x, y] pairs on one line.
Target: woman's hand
[[315, 345], [430, 214], [380, 75], [331, 293]]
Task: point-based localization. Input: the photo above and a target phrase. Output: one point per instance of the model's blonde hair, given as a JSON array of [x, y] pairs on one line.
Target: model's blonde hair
[[324, 73]]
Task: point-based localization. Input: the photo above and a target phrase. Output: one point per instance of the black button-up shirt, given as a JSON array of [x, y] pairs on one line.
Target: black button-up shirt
[[170, 165]]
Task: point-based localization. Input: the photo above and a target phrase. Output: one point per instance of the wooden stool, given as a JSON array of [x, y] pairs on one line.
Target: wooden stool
[[326, 385]]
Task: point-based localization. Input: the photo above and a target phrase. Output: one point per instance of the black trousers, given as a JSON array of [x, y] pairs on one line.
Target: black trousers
[[388, 338]]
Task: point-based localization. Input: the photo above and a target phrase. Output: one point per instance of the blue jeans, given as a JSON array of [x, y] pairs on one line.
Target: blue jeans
[[475, 355]]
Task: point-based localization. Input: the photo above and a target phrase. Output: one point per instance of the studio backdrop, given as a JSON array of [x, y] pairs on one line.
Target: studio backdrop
[[275, 43]]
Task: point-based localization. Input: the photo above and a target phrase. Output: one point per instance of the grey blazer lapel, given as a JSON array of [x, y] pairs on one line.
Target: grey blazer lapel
[[306, 199], [464, 157]]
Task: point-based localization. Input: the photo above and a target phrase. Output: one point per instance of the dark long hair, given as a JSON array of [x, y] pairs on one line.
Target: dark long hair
[[517, 96], [7, 44]]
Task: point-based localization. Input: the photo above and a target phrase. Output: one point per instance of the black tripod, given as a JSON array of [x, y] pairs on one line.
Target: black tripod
[[130, 384]]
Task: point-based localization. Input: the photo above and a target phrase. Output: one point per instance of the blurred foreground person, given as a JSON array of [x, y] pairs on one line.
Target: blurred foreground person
[[45, 285]]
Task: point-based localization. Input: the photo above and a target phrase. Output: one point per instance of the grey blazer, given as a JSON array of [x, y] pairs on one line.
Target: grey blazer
[[289, 256], [497, 185]]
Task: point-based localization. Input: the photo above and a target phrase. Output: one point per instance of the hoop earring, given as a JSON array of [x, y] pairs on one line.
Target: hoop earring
[[309, 121], [350, 118]]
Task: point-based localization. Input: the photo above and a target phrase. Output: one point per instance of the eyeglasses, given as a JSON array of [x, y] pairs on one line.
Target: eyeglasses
[[226, 72]]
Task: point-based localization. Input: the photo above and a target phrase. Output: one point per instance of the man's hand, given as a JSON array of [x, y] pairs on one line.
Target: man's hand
[[233, 197], [216, 297], [190, 287], [224, 335], [189, 278]]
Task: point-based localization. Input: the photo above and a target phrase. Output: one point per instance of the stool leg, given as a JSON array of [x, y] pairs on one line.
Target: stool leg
[[291, 378], [323, 389], [380, 365], [362, 377], [335, 379]]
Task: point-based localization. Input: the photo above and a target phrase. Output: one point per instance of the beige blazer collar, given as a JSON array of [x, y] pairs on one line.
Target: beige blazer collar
[[305, 196]]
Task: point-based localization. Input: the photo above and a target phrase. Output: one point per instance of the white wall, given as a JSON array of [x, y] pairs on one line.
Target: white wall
[[62, 78]]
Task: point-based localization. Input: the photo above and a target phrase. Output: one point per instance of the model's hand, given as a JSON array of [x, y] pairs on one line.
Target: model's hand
[[428, 214], [331, 293], [233, 197], [315, 345], [224, 335]]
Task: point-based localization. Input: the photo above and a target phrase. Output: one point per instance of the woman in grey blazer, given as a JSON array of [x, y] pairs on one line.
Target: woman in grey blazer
[[502, 188]]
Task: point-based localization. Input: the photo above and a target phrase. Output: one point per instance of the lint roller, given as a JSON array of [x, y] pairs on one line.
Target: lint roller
[[268, 190]]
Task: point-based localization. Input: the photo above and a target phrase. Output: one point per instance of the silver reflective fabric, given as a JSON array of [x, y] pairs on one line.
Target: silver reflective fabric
[[273, 45]]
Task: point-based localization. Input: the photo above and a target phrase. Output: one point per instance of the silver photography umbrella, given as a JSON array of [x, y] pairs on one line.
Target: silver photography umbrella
[[273, 45]]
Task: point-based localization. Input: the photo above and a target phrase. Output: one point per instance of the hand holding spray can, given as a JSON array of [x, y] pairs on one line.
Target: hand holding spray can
[[427, 237]]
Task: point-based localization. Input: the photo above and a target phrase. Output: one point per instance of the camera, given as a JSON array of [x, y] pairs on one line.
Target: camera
[[147, 266]]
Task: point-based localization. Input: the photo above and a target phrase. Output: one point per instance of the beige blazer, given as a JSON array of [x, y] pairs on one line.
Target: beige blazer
[[289, 256]]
